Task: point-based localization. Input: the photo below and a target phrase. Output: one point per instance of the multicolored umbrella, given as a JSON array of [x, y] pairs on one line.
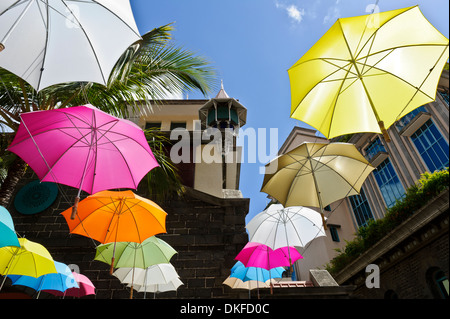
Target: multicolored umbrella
[[8, 236], [83, 147], [30, 259], [279, 227], [34, 45], [61, 281], [85, 288], [368, 72], [262, 256]]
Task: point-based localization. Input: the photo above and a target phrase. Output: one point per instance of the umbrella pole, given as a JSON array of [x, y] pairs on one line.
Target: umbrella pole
[[380, 122], [77, 199], [7, 268], [270, 274], [320, 199], [132, 283]]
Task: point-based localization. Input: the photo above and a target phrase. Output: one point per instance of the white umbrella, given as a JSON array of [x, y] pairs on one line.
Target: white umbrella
[[160, 274], [57, 41], [278, 227], [172, 285]]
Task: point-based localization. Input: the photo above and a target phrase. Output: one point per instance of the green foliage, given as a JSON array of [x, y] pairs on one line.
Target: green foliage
[[428, 186]]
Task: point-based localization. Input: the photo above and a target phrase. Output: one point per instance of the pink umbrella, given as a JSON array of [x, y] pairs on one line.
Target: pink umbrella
[[86, 287], [262, 256], [83, 147]]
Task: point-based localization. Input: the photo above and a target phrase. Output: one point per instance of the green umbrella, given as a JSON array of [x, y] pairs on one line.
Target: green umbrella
[[151, 251]]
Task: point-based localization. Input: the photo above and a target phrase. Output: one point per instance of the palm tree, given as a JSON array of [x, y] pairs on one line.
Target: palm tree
[[147, 71]]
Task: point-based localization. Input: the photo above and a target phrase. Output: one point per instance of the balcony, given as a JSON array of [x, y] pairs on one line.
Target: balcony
[[376, 153], [411, 122]]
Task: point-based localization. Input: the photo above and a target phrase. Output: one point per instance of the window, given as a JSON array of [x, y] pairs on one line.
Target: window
[[361, 209], [431, 146], [334, 233], [409, 117], [153, 125], [437, 282], [442, 284], [389, 183], [444, 96], [175, 125], [374, 148]]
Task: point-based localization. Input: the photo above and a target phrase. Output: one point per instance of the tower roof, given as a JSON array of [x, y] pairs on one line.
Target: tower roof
[[223, 97], [222, 94]]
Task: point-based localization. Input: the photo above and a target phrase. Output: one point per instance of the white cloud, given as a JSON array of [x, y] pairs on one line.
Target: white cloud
[[295, 14], [333, 13]]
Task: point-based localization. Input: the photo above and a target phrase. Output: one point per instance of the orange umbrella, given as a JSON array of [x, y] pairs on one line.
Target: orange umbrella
[[110, 216]]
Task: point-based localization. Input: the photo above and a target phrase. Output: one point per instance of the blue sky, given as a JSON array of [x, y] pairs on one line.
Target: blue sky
[[252, 43]]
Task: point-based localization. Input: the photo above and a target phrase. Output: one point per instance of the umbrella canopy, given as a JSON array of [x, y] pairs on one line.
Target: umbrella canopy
[[316, 174], [279, 227], [61, 281], [30, 259], [254, 273], [262, 256], [57, 41], [8, 235], [83, 147], [159, 274], [117, 217], [85, 287], [151, 252], [368, 72], [172, 285], [236, 283], [156, 274]]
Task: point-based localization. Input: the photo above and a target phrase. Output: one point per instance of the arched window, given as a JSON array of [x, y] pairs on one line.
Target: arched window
[[438, 282]]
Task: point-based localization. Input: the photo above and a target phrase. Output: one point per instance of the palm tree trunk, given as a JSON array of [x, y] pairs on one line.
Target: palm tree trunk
[[15, 173]]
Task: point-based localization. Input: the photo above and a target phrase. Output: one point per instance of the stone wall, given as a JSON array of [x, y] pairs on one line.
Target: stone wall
[[406, 256], [207, 232]]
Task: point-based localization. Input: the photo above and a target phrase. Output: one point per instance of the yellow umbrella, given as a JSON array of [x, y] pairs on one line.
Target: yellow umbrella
[[316, 175], [30, 259], [367, 72]]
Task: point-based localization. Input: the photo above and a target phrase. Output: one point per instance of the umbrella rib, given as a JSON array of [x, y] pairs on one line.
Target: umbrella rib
[[47, 25], [399, 78], [381, 26], [303, 165], [296, 232], [319, 82], [403, 80], [340, 175], [95, 1], [86, 35], [125, 161]]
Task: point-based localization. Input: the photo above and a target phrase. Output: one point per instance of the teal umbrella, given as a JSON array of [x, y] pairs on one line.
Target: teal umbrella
[[8, 235]]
